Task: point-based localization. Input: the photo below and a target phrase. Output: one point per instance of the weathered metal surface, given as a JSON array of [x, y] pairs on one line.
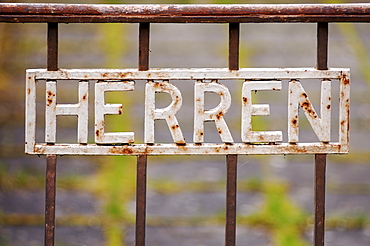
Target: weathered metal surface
[[51, 160], [216, 114], [249, 110], [320, 183], [263, 142], [168, 114], [322, 46], [144, 37], [50, 193], [191, 149], [53, 109], [225, 13], [231, 194], [102, 109], [189, 73], [141, 183], [320, 159], [321, 125], [52, 50], [234, 36]]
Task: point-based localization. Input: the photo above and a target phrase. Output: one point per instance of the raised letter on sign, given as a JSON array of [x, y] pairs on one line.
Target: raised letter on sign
[[101, 109], [168, 113], [298, 97], [53, 109], [249, 109], [216, 114]]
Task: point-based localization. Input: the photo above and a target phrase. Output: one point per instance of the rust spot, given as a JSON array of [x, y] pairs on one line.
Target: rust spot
[[127, 74], [294, 121], [121, 150], [304, 94], [226, 147], [84, 97], [219, 131], [174, 127], [105, 75], [219, 115], [342, 122], [182, 147], [50, 93], [120, 110], [28, 91], [328, 106], [201, 133], [221, 93], [305, 104], [345, 80], [157, 85], [245, 99], [50, 101], [97, 133]]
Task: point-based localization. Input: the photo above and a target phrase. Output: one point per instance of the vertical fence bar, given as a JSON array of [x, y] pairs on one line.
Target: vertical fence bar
[[320, 159], [141, 200], [52, 43], [322, 45], [230, 229], [144, 32], [51, 160], [234, 33], [231, 160], [320, 170]]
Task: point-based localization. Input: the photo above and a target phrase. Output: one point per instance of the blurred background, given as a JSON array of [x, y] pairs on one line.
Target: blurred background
[[186, 195]]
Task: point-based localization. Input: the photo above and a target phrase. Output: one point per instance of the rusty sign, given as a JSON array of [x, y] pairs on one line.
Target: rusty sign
[[204, 80]]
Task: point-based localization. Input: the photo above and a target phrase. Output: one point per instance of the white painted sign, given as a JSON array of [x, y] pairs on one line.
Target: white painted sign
[[204, 80]]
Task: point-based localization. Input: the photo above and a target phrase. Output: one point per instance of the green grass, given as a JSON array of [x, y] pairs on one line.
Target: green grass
[[279, 216]]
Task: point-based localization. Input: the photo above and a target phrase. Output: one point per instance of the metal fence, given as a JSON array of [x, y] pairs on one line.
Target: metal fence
[[53, 14]]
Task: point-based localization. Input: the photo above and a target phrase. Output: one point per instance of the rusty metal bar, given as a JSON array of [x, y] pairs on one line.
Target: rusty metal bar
[[141, 200], [52, 42], [320, 159], [320, 179], [50, 192], [322, 45], [223, 13], [230, 229], [144, 33], [234, 33], [144, 36], [51, 160]]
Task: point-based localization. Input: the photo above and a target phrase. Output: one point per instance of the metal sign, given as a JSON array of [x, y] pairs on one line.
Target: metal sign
[[204, 80]]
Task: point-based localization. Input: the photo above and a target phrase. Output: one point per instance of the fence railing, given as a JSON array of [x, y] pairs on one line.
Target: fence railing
[[54, 14]]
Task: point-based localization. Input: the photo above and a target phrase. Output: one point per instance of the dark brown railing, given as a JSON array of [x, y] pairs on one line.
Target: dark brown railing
[[53, 14]]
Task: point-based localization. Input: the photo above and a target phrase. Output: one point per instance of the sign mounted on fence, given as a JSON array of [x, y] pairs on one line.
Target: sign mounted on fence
[[205, 80]]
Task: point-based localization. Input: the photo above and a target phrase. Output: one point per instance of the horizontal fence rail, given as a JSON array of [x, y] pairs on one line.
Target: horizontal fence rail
[[226, 13]]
